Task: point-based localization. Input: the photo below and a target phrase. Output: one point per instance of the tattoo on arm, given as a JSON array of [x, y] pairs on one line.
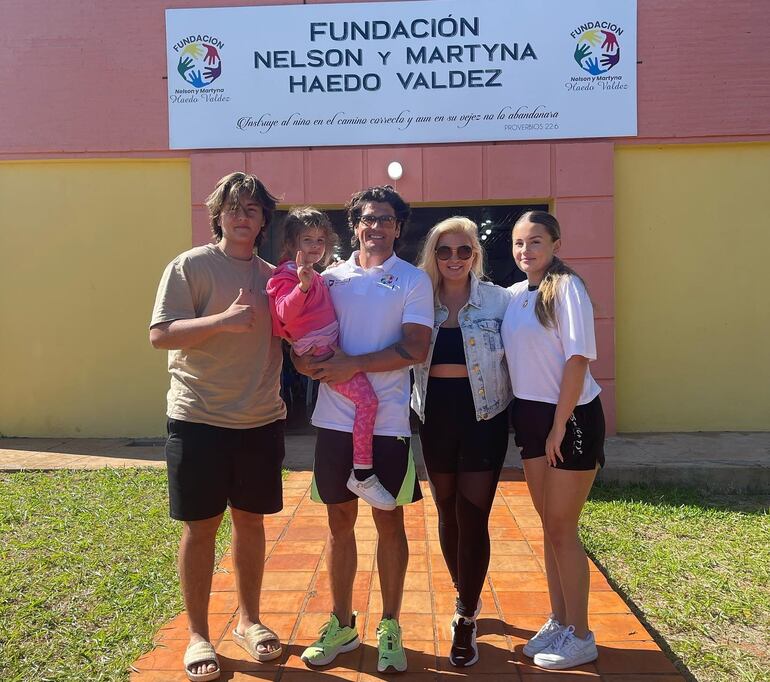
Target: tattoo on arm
[[403, 352]]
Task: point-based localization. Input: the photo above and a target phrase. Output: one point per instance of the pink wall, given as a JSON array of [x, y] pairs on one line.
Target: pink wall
[[88, 78], [576, 177]]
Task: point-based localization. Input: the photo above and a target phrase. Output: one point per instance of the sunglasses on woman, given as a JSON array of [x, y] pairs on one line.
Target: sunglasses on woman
[[445, 252]]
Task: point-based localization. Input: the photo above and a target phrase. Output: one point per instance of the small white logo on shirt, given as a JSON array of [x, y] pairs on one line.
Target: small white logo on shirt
[[388, 281]]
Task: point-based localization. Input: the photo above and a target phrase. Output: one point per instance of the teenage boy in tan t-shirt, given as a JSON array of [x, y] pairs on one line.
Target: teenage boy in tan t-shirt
[[225, 415]]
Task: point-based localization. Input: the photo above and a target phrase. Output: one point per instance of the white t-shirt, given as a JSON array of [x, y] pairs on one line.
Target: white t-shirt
[[536, 354], [371, 306]]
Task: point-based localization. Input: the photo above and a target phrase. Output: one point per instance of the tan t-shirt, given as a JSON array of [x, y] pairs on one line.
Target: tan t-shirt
[[230, 380]]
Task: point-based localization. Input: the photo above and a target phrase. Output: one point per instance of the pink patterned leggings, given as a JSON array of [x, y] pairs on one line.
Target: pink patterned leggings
[[360, 392]]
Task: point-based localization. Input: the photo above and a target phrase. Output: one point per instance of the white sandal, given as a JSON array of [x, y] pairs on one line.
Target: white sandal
[[258, 634], [201, 652]]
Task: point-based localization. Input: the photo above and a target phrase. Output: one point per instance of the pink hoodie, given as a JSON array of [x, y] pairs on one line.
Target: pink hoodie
[[296, 314]]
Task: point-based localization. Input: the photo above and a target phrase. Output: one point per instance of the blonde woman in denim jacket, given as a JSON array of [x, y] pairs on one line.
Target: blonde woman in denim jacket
[[460, 394]]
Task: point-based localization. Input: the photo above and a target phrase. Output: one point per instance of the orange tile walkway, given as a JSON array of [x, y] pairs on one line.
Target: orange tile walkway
[[296, 601]]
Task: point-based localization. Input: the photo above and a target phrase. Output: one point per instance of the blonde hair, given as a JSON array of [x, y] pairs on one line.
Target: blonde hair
[[557, 271], [453, 225]]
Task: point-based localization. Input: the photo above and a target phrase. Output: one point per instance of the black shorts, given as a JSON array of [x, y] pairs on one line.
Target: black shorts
[[210, 467], [451, 438], [333, 463], [583, 444]]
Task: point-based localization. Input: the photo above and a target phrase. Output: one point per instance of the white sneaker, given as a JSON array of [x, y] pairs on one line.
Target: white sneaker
[[372, 491], [545, 635], [567, 651]]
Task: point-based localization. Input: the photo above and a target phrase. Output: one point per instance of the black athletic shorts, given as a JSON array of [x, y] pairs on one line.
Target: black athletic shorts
[[452, 439], [333, 463], [210, 467], [583, 444]]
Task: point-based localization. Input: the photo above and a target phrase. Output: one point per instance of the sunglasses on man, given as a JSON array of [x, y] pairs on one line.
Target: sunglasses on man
[[371, 220]]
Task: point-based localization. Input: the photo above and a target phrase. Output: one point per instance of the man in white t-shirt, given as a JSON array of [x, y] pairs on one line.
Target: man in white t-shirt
[[385, 310]]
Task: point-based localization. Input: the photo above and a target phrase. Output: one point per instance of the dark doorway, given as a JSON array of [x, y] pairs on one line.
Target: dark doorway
[[495, 223]]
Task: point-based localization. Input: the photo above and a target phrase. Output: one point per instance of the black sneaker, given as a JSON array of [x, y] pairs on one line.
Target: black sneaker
[[464, 651]]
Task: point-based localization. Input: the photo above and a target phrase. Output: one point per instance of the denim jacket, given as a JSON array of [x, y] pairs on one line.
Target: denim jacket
[[480, 321]]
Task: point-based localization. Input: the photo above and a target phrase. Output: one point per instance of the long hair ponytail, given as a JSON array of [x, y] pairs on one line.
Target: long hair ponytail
[[547, 291]]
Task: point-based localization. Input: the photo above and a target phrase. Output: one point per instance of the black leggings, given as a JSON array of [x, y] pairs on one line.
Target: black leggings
[[463, 458]]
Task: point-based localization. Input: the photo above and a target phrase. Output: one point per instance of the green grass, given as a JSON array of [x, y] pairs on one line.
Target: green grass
[[697, 567], [87, 572]]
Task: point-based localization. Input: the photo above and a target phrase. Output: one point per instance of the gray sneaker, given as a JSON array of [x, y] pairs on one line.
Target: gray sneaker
[[545, 635], [567, 651]]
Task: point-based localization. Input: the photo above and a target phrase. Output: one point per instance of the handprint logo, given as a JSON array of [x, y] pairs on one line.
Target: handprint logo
[[212, 56], [581, 52], [591, 37], [610, 41], [199, 64], [193, 49], [212, 73], [609, 51], [609, 60], [196, 80]]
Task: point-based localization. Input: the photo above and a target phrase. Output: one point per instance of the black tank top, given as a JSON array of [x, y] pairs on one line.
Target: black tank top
[[448, 349]]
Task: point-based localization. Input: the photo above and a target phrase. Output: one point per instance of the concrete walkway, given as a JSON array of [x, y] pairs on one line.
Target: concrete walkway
[[296, 602], [722, 461]]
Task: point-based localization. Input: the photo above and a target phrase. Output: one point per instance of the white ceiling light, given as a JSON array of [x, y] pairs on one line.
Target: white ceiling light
[[395, 170]]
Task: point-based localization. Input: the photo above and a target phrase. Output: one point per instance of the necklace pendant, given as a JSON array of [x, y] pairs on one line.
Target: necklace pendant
[[526, 303]]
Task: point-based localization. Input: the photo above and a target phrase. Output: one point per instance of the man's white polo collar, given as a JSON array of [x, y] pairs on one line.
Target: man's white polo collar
[[386, 266]]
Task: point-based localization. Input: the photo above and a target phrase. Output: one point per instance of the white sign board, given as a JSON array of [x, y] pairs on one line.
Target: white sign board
[[401, 72]]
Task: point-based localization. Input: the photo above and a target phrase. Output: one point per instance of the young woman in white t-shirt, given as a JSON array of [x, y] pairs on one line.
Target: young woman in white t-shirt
[[548, 334]]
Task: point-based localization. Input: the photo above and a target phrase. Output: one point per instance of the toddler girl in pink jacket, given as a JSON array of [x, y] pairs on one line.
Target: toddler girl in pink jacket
[[303, 314]]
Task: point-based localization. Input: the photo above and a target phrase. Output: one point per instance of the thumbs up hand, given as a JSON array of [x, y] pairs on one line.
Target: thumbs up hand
[[241, 316]]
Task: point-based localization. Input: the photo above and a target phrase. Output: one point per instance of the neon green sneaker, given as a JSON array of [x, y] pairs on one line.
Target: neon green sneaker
[[389, 643], [334, 640]]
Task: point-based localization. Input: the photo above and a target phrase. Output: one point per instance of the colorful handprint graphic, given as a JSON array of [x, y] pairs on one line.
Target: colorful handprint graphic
[[609, 60], [610, 51], [610, 41], [193, 49], [212, 55], [199, 64]]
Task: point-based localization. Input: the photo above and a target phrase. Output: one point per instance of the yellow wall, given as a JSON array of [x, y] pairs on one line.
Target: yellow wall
[[693, 288], [82, 247], [83, 244]]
